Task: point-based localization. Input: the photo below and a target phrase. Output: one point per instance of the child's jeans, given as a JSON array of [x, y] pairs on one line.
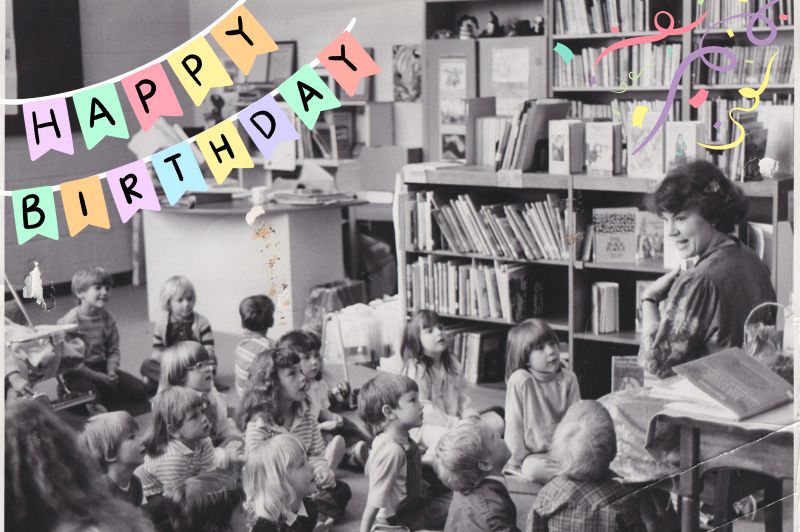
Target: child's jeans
[[128, 389], [332, 501]]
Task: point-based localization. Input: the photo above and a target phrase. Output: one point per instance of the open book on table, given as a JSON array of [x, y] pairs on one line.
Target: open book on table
[[728, 385]]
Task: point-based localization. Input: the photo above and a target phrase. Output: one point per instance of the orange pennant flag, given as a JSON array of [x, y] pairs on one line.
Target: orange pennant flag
[[243, 38], [84, 204]]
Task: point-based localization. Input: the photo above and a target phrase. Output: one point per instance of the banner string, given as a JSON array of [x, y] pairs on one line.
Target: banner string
[[20, 101], [234, 117]]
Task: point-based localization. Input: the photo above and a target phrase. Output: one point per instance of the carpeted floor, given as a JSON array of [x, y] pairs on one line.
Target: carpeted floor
[[128, 305]]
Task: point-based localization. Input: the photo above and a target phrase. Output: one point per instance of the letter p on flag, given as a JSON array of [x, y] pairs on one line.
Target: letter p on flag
[[348, 62]]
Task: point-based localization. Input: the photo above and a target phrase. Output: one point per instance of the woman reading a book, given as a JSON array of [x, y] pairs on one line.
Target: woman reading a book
[[687, 314]]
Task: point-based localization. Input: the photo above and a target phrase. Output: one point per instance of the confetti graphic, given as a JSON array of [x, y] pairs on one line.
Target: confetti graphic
[[593, 80], [717, 124], [638, 115], [565, 53], [614, 29], [698, 99], [730, 33]]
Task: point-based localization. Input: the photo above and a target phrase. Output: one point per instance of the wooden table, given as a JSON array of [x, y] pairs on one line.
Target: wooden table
[[763, 444]]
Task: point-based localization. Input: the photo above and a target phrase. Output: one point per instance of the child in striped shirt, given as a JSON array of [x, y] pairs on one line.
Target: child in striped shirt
[[177, 442], [276, 402], [257, 317], [178, 323], [98, 330]]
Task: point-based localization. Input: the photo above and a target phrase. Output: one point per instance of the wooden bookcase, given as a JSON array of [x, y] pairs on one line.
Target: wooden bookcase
[[567, 297]]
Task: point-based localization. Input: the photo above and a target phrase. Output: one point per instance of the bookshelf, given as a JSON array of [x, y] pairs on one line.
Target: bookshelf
[[568, 299]]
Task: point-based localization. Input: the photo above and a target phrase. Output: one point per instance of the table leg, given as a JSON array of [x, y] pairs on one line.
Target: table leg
[[352, 234], [689, 480]]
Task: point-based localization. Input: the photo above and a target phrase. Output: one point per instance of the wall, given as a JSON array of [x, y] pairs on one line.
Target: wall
[[314, 23], [117, 36]]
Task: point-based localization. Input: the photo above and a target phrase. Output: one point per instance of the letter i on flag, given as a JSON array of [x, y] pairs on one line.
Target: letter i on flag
[[132, 189], [308, 95], [178, 171], [223, 150], [199, 69], [100, 114], [151, 95], [84, 204], [47, 127], [243, 38], [267, 125], [347, 62], [34, 213]]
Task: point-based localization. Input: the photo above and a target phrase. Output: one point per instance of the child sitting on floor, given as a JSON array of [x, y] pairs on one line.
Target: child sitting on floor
[[100, 373], [469, 459], [177, 442], [442, 388], [209, 502], [178, 323], [584, 496], [257, 313], [540, 389], [188, 364], [344, 438], [397, 496], [278, 482]]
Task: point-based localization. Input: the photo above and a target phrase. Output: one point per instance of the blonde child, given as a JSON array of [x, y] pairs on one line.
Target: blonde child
[[176, 443], [112, 439], [257, 313], [209, 502], [188, 364], [584, 496], [344, 438], [442, 389], [469, 459], [276, 402], [278, 483], [539, 391], [178, 323], [397, 495], [97, 328]]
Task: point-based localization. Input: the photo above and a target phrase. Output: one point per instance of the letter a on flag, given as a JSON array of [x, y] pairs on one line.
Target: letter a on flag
[[308, 95]]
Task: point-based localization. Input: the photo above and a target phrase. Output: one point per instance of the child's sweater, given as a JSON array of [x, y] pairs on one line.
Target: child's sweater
[[223, 429], [200, 330], [443, 394], [534, 407], [99, 333], [163, 473], [248, 348]]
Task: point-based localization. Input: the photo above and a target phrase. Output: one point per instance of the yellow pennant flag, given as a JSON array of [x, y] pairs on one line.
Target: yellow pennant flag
[[199, 69], [223, 149], [84, 204], [243, 38]]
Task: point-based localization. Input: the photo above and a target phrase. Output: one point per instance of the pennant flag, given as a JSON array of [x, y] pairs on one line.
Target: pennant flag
[[243, 38], [223, 149], [347, 62], [308, 95], [267, 125], [100, 114], [199, 69], [47, 127], [132, 189], [34, 213], [84, 204], [151, 95], [178, 171]]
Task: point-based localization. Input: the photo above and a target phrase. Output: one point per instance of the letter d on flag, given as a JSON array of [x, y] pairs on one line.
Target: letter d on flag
[[34, 213]]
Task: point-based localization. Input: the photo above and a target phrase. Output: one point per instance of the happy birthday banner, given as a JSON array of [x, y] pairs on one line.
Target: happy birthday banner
[[151, 96]]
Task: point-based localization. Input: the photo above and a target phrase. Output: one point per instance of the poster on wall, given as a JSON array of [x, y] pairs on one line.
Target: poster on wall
[[407, 72], [452, 107], [510, 72]]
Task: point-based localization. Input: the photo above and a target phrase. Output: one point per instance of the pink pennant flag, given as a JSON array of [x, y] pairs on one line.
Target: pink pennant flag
[[132, 189], [347, 62], [47, 127], [151, 95]]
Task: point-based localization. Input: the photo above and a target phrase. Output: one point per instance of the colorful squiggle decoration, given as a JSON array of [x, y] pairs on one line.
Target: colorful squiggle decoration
[[702, 51], [746, 92]]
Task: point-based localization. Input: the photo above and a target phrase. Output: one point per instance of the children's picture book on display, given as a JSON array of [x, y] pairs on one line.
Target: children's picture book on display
[[681, 143], [649, 238], [626, 373], [649, 162], [615, 234], [603, 148]]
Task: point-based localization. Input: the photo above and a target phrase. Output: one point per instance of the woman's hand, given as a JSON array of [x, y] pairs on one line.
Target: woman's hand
[[659, 288]]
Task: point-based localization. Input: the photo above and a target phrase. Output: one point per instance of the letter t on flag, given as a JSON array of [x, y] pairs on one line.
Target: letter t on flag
[[347, 62], [84, 204], [308, 95]]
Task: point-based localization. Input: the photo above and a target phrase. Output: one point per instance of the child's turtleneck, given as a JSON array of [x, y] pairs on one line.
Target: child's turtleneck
[[544, 376]]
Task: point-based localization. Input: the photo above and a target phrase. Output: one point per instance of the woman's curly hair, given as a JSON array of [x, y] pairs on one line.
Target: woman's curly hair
[[702, 186], [52, 483], [262, 396]]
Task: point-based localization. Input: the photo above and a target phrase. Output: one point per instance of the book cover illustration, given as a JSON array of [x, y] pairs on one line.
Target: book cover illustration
[[681, 143], [603, 141], [615, 234], [640, 288], [649, 162], [626, 373], [559, 146], [649, 238]]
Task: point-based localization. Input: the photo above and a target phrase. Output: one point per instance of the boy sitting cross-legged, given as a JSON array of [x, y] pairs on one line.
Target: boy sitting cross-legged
[[389, 405]]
